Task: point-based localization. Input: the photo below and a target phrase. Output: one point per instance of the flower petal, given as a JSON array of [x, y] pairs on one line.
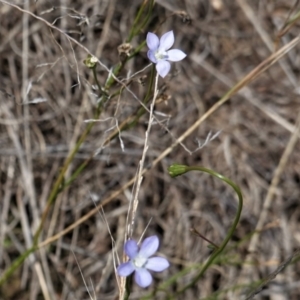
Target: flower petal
[[163, 67], [150, 244], [152, 41], [143, 277], [125, 269], [151, 56], [131, 248], [166, 41], [176, 55], [157, 264]]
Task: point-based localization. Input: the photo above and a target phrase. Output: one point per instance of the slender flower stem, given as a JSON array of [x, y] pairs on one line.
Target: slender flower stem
[[176, 170]]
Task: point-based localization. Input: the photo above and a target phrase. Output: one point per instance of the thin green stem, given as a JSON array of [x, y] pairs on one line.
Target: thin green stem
[[150, 86], [111, 80], [16, 264], [136, 20], [137, 50], [102, 92], [145, 19], [128, 287], [134, 31], [176, 170]]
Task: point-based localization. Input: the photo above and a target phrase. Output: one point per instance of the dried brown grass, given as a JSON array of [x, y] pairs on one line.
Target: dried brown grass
[[223, 45]]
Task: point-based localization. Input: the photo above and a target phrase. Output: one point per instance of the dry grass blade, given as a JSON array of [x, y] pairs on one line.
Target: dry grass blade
[[265, 37], [274, 183], [247, 132], [273, 275]]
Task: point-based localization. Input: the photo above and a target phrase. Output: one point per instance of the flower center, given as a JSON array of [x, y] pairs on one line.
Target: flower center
[[161, 55], [139, 262]]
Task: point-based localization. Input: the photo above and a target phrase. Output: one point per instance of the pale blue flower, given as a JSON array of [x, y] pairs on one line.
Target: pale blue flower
[[140, 261], [159, 52]]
